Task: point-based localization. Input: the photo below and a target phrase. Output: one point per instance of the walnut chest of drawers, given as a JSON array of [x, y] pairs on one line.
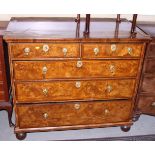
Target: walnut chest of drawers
[[61, 81]]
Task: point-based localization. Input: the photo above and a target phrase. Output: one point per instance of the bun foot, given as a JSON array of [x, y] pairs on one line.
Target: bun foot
[[125, 128], [21, 136]]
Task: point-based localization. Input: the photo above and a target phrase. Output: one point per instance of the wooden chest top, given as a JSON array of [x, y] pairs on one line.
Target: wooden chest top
[[61, 29]]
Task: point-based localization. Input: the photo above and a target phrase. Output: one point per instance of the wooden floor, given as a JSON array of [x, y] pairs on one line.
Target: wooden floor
[[145, 126]]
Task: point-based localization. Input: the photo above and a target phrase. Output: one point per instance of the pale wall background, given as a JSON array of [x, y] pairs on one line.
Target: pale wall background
[[4, 17]]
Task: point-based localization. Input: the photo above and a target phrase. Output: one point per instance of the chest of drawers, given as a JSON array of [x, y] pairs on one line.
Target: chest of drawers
[[146, 94], [5, 101], [62, 82]]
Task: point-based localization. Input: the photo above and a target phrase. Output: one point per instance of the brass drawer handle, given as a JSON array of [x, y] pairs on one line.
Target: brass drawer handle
[[45, 91], [45, 115], [44, 70], [77, 106], [153, 104], [113, 47], [26, 51], [130, 50], [78, 84], [79, 64], [64, 50], [45, 48], [112, 69], [96, 50], [109, 88]]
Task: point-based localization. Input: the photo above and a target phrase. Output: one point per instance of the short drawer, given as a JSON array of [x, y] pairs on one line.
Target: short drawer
[[146, 104], [149, 66], [111, 50], [38, 70], [69, 114], [148, 85], [43, 50], [73, 90]]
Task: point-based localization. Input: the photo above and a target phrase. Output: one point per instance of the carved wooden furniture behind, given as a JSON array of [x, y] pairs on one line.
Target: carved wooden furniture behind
[[63, 81], [5, 101], [146, 95]]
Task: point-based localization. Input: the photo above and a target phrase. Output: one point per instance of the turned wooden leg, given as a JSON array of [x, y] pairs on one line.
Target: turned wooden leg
[[21, 136], [125, 128]]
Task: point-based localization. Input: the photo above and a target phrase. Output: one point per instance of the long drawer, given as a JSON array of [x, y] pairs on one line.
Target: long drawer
[[51, 115], [111, 50], [146, 104], [44, 50], [38, 70], [74, 90]]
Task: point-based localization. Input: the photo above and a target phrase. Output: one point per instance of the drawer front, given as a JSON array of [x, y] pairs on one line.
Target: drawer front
[[74, 90], [45, 50], [147, 104], [37, 70], [148, 85], [111, 50], [2, 97], [149, 66], [151, 50], [51, 115]]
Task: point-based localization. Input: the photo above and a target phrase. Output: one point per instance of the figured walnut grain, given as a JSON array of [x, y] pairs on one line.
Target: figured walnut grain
[[32, 116], [36, 50], [105, 50], [67, 90], [32, 70]]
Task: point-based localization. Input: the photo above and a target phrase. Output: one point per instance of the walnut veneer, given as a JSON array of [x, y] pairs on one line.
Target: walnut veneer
[[63, 80]]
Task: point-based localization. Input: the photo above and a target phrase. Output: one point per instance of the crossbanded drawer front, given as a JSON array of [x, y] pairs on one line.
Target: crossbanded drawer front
[[45, 50], [73, 90], [148, 85], [146, 104], [52, 115], [111, 50], [38, 70]]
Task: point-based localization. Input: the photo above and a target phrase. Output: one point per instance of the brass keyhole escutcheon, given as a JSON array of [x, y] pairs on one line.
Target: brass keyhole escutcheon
[[79, 64], [45, 48]]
